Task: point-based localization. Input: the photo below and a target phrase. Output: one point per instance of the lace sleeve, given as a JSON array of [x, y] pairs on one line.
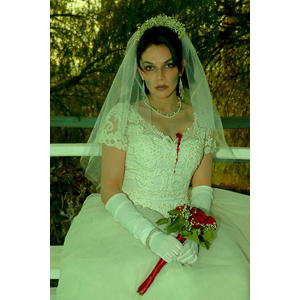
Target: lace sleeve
[[113, 131], [209, 142]]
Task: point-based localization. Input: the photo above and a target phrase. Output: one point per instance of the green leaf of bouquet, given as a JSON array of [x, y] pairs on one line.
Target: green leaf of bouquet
[[194, 237], [162, 221], [174, 212], [185, 233], [176, 225], [208, 235], [204, 245], [169, 221], [207, 245]]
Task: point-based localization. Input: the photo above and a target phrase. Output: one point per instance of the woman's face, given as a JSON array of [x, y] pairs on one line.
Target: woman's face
[[159, 71]]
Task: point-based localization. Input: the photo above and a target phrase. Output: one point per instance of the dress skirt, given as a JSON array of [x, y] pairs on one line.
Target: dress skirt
[[102, 261]]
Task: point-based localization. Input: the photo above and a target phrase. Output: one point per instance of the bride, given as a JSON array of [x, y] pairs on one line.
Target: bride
[[150, 151]]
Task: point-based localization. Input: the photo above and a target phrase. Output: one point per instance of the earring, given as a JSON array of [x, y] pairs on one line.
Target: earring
[[181, 90], [144, 95]]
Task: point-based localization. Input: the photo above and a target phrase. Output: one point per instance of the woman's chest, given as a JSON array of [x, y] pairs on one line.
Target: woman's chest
[[171, 127], [150, 149]]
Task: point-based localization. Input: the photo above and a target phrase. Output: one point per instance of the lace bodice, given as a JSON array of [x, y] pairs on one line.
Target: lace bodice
[[149, 178]]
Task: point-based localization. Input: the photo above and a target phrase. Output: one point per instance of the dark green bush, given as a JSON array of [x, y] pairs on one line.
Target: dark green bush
[[68, 190]]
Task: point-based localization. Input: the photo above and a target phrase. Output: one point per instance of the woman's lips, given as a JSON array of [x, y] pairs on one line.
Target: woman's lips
[[161, 87]]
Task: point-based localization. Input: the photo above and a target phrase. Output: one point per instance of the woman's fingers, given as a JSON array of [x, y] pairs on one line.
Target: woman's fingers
[[189, 253]]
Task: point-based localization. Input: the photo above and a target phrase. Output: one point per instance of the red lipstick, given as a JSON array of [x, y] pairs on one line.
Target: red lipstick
[[161, 87]]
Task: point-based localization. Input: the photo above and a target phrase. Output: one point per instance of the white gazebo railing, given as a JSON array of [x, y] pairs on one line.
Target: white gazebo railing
[[242, 154]]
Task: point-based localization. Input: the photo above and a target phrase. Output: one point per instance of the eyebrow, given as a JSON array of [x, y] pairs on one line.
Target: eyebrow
[[150, 63]]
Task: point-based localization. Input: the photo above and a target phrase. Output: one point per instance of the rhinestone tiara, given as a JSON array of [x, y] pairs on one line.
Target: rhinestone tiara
[[162, 20]]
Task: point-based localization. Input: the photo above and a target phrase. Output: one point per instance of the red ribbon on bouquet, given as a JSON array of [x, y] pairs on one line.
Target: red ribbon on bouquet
[[146, 284]]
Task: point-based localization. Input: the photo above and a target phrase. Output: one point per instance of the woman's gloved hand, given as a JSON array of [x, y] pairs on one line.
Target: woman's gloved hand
[[124, 212], [165, 246], [189, 253]]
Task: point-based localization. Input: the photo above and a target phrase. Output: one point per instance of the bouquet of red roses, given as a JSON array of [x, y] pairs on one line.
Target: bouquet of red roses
[[189, 223]]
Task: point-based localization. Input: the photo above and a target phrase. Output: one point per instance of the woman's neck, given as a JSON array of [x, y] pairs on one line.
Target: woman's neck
[[165, 105]]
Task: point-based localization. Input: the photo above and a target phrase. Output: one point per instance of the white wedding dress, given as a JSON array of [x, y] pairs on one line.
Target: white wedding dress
[[102, 260]]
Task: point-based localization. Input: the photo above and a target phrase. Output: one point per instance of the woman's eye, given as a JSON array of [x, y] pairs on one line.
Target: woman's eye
[[170, 66], [149, 68]]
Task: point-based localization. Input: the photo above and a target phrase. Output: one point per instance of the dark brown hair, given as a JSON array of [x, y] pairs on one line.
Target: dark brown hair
[[161, 36]]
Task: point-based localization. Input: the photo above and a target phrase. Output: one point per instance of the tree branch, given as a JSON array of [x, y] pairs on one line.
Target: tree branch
[[66, 15], [87, 70]]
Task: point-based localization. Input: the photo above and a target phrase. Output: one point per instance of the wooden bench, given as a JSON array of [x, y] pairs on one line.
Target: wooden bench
[[53, 294], [55, 254]]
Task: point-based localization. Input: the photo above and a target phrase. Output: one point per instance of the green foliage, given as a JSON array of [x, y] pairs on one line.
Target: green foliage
[[195, 236], [68, 190], [173, 212], [162, 221], [176, 225], [88, 43], [231, 176], [208, 234]]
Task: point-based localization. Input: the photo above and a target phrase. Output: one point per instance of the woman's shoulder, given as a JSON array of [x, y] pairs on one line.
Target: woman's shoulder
[[114, 113], [121, 105], [119, 109], [125, 111]]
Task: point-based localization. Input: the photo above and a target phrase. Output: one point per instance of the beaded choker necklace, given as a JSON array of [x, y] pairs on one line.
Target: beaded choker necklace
[[162, 114]]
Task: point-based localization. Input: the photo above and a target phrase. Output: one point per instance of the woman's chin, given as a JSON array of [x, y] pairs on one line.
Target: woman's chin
[[162, 94]]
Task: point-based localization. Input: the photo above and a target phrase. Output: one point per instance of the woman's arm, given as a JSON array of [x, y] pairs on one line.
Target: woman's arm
[[124, 211], [202, 175], [112, 171], [201, 193]]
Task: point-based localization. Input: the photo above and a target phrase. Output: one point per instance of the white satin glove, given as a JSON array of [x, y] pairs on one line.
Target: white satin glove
[[201, 197], [124, 212], [189, 253], [166, 246]]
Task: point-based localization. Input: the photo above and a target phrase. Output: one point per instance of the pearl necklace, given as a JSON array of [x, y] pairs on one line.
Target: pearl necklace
[[162, 114]]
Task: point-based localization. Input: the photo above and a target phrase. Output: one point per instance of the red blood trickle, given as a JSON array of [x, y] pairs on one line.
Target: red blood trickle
[[179, 137]]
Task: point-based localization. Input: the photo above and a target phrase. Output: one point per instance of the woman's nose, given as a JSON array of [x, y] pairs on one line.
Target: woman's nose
[[160, 74]]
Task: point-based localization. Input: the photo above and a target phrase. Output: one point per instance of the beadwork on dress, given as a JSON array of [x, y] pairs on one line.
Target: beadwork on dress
[[149, 178]]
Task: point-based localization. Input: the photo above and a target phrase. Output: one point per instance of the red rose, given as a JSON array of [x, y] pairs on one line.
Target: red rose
[[199, 219], [194, 210], [194, 222], [181, 207], [201, 216], [211, 220]]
